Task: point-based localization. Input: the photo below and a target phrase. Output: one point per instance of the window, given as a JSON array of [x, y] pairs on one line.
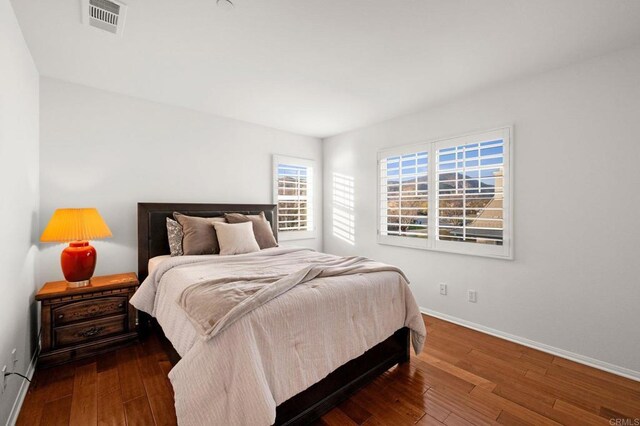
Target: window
[[466, 210], [293, 193], [404, 195]]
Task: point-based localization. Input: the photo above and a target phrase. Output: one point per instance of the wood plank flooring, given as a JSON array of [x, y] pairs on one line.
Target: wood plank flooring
[[462, 377]]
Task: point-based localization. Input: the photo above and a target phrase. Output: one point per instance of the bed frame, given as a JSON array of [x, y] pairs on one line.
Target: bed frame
[[310, 404]]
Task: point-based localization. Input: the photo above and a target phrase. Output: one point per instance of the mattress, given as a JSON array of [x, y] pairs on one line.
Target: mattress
[[155, 261]]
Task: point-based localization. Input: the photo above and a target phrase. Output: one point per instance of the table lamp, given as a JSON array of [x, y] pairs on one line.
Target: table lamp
[[76, 226]]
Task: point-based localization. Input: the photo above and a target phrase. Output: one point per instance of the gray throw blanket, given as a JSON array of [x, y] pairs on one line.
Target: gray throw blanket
[[242, 286]]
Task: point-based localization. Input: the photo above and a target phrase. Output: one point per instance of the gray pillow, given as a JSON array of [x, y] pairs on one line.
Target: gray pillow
[[261, 228], [174, 231], [199, 234]]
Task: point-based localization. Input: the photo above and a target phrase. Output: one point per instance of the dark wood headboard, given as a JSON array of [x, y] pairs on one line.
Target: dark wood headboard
[[152, 226]]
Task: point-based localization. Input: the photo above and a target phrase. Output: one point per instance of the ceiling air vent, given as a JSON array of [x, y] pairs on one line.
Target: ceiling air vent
[[107, 15]]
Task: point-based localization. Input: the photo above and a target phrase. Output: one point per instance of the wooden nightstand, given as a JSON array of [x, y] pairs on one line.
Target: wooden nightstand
[[80, 322]]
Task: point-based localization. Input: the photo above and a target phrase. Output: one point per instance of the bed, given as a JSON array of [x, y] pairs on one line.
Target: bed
[[308, 404]]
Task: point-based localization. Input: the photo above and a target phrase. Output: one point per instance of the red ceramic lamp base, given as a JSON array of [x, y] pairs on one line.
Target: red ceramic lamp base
[[78, 263]]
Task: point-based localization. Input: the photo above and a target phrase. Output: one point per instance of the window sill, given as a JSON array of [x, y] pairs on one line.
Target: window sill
[[503, 253], [296, 235]]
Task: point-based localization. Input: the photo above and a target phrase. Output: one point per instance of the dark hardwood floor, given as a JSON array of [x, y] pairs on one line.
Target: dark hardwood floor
[[462, 377]]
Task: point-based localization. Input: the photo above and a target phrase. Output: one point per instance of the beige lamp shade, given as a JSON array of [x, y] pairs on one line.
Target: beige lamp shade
[[75, 225]]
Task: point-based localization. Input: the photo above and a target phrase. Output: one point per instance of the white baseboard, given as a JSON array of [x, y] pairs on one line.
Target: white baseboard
[[22, 393], [591, 362]]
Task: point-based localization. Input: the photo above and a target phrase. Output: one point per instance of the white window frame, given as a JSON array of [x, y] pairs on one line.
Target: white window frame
[[310, 166], [505, 251]]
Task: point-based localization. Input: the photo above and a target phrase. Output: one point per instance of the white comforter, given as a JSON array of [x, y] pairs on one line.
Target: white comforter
[[277, 350]]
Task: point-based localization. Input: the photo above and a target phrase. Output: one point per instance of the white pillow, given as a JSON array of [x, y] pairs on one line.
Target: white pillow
[[236, 238]]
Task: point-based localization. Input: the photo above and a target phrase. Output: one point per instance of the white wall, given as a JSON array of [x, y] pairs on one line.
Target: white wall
[[18, 202], [574, 283], [110, 151]]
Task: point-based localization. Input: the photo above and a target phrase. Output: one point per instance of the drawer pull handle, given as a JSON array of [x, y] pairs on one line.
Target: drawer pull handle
[[92, 331], [120, 305], [60, 316]]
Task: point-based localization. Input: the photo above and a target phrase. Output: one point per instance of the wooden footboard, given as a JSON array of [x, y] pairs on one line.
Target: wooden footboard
[[312, 403]]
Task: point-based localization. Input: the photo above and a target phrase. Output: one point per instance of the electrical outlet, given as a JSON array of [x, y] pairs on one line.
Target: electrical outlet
[[14, 360], [443, 289], [473, 296], [3, 379]]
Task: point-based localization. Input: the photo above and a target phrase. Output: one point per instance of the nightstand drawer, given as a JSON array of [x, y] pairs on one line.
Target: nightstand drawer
[[88, 309], [89, 330]]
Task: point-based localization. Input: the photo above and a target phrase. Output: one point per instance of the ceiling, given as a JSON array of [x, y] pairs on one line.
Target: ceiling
[[320, 67]]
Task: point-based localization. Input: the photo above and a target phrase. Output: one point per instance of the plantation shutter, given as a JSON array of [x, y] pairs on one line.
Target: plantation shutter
[[293, 192], [404, 196], [471, 193]]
